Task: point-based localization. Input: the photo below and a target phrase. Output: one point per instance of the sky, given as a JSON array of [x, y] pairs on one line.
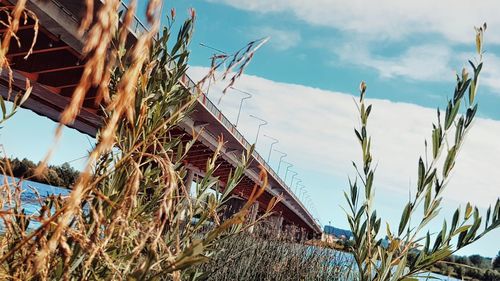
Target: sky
[[304, 80]]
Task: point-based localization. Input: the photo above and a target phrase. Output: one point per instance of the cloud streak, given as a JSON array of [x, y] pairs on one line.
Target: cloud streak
[[364, 25], [423, 63], [281, 39], [387, 19]]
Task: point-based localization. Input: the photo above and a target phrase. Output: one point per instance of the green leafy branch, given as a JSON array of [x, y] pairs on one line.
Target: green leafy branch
[[376, 262]]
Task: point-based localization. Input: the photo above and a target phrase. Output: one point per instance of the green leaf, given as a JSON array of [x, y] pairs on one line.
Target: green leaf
[[472, 91], [437, 186], [451, 114], [472, 231], [454, 221], [404, 218], [436, 141], [427, 201], [462, 229], [427, 243], [450, 161], [388, 230], [421, 171], [430, 177], [437, 242], [368, 110], [369, 183], [459, 129], [358, 135], [4, 110], [460, 242], [444, 229], [469, 116], [376, 227], [488, 213], [468, 211]]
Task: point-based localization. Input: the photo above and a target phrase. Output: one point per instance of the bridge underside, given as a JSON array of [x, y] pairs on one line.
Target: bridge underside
[[54, 69]]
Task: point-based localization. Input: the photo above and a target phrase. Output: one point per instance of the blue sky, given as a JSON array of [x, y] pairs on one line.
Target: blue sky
[[303, 82]]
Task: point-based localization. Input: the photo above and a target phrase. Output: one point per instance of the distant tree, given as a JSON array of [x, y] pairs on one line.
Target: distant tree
[[460, 271], [67, 173], [62, 175], [463, 260], [476, 260], [491, 275], [52, 178], [495, 263]]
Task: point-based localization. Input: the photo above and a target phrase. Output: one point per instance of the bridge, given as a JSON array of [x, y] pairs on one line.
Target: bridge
[[55, 67]]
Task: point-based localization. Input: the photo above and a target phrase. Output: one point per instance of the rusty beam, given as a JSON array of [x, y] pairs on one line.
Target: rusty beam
[[38, 51], [65, 68], [22, 27]]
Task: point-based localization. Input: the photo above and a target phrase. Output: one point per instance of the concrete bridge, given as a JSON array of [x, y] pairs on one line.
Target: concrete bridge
[[55, 68]]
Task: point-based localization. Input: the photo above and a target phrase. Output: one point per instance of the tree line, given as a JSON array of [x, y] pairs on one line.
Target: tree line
[[473, 267], [57, 175]]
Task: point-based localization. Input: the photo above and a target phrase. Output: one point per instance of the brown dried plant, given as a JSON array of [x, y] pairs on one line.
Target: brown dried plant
[[15, 16], [130, 215]]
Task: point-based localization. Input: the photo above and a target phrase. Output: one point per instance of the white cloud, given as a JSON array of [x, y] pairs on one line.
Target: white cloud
[[441, 25], [491, 73], [316, 128], [424, 62], [280, 39], [388, 19]]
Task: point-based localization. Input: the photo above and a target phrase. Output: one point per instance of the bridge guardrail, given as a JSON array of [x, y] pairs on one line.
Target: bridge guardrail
[[137, 28], [191, 85]]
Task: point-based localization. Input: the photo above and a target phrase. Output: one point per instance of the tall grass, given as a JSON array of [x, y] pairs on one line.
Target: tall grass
[[130, 214], [269, 256]]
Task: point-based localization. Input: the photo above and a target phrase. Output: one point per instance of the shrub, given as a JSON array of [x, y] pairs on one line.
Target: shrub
[[495, 263]]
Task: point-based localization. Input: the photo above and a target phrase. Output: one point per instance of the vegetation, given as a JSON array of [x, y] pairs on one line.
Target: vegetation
[[495, 263], [63, 175], [272, 256], [474, 267], [130, 214], [376, 262]]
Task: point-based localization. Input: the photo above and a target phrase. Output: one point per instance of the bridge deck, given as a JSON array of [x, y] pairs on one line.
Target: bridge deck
[[55, 68]]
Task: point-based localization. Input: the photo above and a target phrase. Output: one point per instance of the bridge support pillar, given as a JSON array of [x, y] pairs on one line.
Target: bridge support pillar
[[188, 181], [232, 206], [276, 223], [252, 216], [303, 234]]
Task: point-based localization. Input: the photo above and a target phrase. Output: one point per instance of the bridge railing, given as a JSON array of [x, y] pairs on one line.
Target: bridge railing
[[191, 85], [137, 28]]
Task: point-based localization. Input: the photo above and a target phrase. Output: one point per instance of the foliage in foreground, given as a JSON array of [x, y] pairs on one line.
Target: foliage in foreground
[[267, 256], [474, 267], [130, 214], [376, 262]]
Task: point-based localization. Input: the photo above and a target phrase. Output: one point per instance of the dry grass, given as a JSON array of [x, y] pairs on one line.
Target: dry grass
[[268, 256], [129, 215]]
